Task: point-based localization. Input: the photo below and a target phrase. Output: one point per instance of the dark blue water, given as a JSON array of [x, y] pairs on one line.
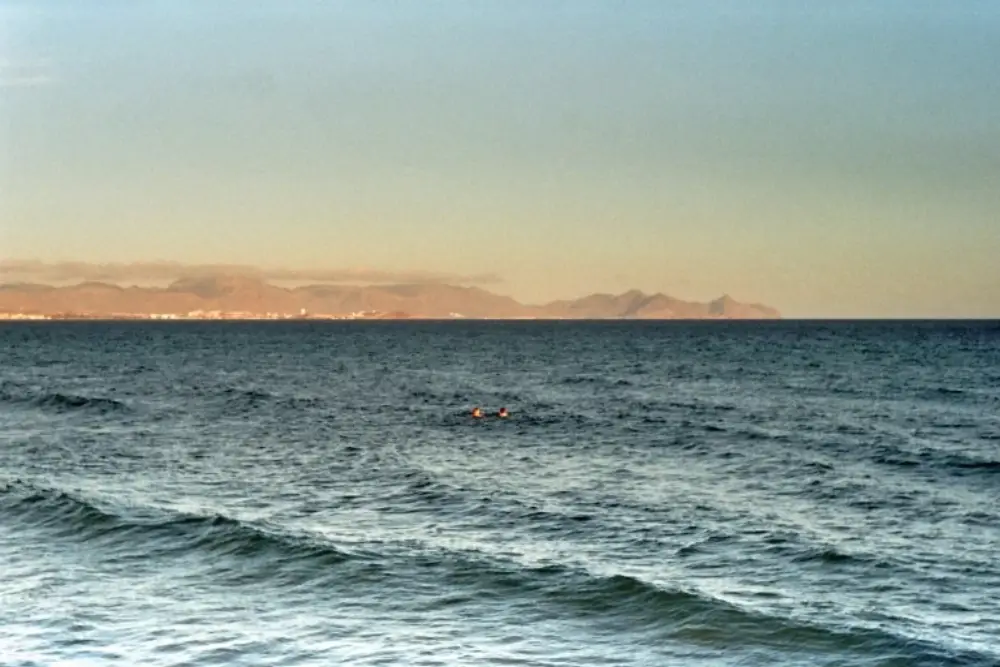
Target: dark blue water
[[674, 493]]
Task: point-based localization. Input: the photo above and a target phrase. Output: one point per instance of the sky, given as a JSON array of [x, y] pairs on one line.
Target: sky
[[831, 159]]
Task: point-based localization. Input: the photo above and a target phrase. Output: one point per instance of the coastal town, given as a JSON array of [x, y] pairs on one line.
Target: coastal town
[[208, 315]]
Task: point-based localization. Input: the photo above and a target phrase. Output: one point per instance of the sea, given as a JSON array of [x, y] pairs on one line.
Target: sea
[[662, 493]]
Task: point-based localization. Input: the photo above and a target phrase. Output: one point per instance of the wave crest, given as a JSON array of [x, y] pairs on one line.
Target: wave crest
[[71, 514]]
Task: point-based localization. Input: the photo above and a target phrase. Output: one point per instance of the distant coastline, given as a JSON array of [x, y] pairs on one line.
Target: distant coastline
[[239, 297], [383, 317]]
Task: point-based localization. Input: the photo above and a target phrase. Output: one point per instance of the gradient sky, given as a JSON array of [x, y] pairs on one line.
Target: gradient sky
[[828, 158]]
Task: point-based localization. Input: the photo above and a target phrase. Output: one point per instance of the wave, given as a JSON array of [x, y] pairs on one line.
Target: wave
[[601, 380], [244, 399], [428, 395], [934, 459], [274, 557], [68, 402], [235, 400], [912, 449], [833, 556], [71, 514], [61, 402], [451, 397], [697, 407], [946, 391], [970, 463], [246, 394], [666, 613], [790, 546], [529, 418]]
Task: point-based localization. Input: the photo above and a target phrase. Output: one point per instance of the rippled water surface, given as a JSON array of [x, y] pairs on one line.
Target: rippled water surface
[[663, 493]]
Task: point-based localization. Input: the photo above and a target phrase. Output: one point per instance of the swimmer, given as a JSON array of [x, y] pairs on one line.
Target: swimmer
[[502, 414], [477, 413]]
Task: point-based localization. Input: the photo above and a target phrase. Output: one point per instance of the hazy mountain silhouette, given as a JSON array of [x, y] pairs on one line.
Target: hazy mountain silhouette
[[249, 294]]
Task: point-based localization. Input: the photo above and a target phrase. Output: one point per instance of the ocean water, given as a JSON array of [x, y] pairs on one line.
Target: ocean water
[[663, 494]]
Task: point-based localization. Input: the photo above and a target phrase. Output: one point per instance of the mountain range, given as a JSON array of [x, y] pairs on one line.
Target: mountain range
[[248, 294]]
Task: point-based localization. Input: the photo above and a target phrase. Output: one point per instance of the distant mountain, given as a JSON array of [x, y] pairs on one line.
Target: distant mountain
[[251, 295], [640, 306]]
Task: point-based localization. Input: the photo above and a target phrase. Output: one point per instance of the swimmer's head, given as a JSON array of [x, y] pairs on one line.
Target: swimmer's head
[[477, 413], [502, 412]]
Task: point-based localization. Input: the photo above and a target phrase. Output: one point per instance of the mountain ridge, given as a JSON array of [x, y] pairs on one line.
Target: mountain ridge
[[254, 295]]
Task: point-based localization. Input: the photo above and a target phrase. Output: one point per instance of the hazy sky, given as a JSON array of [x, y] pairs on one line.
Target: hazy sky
[[829, 158]]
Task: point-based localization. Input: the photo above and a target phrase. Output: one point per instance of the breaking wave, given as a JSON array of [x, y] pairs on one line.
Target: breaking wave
[[269, 556]]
